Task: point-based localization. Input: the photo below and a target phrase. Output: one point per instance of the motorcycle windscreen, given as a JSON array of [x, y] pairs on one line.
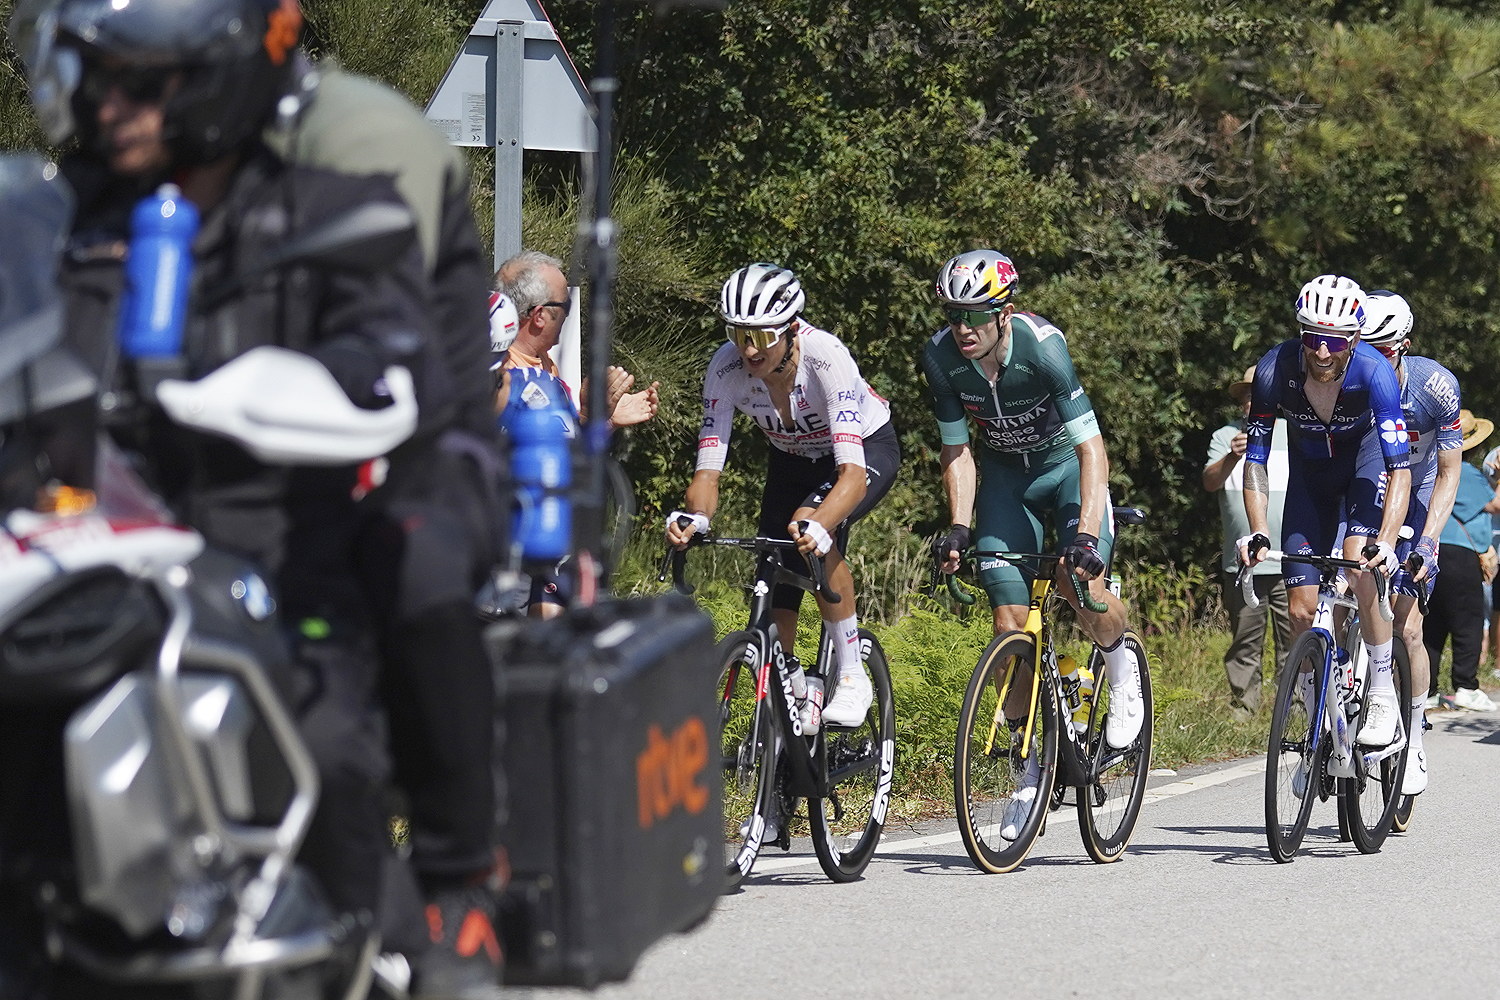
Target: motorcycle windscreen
[[36, 211]]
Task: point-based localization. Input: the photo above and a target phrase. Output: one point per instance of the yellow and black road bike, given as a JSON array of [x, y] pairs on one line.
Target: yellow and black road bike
[[1042, 748]]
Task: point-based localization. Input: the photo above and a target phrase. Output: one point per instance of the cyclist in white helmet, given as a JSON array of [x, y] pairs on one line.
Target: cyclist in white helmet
[[833, 454], [1430, 404], [1348, 479]]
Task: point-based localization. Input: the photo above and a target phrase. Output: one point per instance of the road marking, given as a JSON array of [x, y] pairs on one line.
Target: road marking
[[1193, 784]]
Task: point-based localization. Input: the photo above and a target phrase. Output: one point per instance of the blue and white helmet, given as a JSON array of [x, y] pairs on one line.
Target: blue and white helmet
[[1388, 319], [761, 295], [1332, 302]]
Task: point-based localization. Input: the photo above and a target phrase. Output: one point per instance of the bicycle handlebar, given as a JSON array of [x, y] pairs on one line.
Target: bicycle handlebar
[[1325, 564], [676, 559], [963, 597]]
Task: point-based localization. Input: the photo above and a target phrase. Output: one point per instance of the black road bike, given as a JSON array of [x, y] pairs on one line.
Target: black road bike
[[771, 764]]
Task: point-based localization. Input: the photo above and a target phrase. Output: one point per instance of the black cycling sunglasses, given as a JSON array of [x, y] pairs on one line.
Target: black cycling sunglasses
[[140, 84], [564, 306]]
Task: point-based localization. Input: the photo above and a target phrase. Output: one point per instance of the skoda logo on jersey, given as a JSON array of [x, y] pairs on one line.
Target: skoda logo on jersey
[[254, 596], [1392, 431]]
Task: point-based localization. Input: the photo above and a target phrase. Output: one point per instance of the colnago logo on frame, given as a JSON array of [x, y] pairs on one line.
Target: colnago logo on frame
[[666, 772]]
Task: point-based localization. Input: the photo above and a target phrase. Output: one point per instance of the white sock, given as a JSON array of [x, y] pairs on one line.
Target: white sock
[[1418, 710], [846, 645], [1119, 662], [1380, 668]]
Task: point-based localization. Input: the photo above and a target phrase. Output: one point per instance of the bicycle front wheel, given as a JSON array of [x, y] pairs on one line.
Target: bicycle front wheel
[[748, 757], [1291, 771], [1002, 781], [846, 826], [1110, 804], [1373, 795]]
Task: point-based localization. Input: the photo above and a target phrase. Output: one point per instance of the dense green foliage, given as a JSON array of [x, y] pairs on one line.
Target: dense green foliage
[[1165, 173]]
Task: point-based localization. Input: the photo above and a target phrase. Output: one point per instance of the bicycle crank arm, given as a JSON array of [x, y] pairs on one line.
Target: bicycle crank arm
[[1376, 756]]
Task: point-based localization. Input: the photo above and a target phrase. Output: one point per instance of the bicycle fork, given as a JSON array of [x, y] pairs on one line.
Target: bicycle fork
[[1033, 628]]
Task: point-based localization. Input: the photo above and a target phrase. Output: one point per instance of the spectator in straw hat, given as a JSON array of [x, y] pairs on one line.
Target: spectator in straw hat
[[1456, 606], [1224, 474]]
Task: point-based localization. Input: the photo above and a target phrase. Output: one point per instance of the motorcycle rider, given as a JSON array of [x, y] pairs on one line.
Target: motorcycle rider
[[158, 91]]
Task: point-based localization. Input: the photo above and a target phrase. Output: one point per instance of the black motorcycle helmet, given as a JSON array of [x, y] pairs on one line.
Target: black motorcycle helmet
[[235, 56]]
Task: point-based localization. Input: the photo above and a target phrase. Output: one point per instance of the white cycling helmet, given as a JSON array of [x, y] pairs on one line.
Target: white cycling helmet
[[1331, 302], [505, 322], [1388, 320], [761, 295], [984, 279]]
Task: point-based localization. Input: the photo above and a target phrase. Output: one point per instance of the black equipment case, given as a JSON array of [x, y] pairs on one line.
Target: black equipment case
[[613, 818]]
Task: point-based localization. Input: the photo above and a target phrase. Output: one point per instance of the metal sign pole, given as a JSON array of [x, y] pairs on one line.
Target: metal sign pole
[[590, 513], [510, 53]]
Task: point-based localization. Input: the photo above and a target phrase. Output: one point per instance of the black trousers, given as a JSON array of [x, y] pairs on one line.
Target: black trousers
[[424, 555], [1456, 608]]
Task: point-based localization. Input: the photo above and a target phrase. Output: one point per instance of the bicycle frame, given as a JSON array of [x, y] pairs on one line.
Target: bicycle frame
[[1076, 769], [808, 765], [1336, 711]]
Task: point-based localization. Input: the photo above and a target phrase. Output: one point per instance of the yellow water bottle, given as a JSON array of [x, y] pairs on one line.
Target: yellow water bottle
[[1078, 688]]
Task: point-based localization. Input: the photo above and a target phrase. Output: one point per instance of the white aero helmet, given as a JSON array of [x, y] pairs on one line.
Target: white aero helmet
[[761, 295], [505, 323], [982, 279], [1388, 320], [1333, 303]]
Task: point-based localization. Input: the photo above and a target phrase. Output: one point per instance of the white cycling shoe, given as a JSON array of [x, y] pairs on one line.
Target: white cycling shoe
[[768, 834], [1299, 778], [1019, 807], [1415, 781], [1127, 711], [851, 702], [1379, 726]]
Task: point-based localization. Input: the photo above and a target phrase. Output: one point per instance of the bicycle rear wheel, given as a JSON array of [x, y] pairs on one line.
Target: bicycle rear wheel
[[1289, 757], [988, 766], [846, 826], [1373, 795], [748, 758], [1111, 803], [1402, 818]]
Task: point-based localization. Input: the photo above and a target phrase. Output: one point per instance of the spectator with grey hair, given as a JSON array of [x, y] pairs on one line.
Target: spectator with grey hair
[[535, 284]]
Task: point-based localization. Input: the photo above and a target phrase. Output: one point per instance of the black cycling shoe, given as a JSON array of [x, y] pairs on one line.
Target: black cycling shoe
[[465, 959]]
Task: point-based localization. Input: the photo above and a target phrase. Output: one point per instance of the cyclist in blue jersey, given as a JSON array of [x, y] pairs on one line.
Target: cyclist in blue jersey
[[1430, 404], [1348, 458]]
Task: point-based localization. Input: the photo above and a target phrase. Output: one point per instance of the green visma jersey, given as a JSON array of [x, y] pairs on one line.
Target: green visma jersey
[[1036, 405]]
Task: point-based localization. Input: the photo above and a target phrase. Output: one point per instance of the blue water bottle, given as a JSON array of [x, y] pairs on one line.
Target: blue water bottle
[[158, 274], [542, 467]]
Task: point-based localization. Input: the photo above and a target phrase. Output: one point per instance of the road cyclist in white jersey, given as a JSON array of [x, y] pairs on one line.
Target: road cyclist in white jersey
[[1430, 403], [834, 453]]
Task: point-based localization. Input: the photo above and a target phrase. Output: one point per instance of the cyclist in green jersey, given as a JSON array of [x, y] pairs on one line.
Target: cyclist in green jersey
[[1041, 455]]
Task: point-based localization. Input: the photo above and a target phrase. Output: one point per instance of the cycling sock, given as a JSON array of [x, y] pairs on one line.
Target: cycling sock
[[1414, 728], [846, 645], [1380, 667], [1119, 661]]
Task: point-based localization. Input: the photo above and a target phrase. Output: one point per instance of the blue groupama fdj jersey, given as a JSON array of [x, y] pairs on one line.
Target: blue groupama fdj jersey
[[1368, 403], [1035, 407]]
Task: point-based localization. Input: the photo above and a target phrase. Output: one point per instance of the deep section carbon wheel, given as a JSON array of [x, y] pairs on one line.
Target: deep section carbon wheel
[[846, 826], [1372, 797], [1003, 771], [1110, 804], [749, 757], [1291, 772]]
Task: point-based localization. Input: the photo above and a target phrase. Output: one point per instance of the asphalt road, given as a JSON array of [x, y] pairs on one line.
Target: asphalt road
[[1196, 908]]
